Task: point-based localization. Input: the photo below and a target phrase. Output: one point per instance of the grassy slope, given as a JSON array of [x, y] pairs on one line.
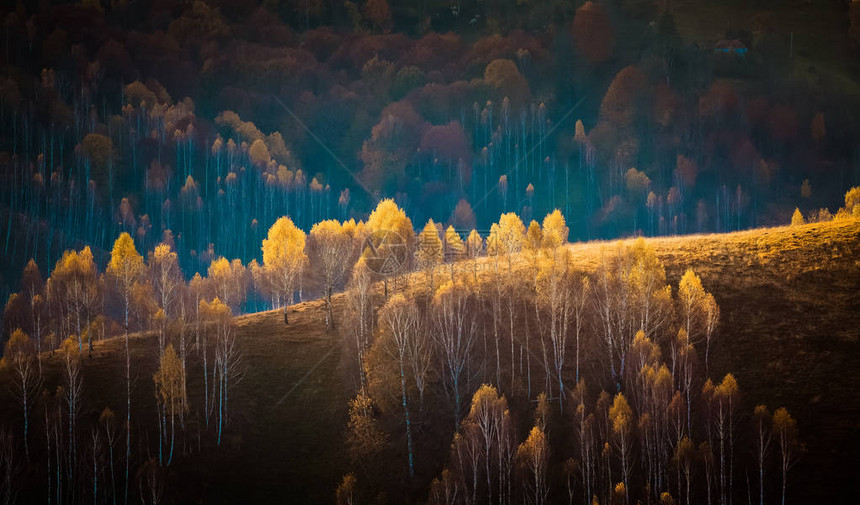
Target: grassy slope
[[789, 331]]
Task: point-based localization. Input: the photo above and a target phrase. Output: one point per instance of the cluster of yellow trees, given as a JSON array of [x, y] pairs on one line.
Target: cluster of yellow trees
[[651, 425], [851, 209], [79, 304]]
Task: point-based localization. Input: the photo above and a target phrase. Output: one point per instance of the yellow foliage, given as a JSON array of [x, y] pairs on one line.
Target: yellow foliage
[[365, 439], [534, 237], [486, 400], [169, 379], [392, 230], [620, 414], [797, 218], [429, 245], [18, 348], [388, 216], [852, 201], [70, 347], [506, 236], [729, 387], [555, 230], [163, 253], [215, 310], [784, 424], [284, 255], [125, 262], [454, 243], [474, 244], [219, 269]]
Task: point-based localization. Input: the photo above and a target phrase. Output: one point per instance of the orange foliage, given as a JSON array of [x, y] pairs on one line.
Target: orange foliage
[[619, 103]]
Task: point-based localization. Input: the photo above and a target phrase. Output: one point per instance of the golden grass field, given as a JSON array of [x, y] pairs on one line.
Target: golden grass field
[[789, 332]]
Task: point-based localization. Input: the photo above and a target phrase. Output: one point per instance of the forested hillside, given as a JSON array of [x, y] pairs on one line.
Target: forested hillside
[[202, 122], [296, 417]]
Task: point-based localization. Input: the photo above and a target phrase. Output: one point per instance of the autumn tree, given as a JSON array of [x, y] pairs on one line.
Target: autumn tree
[[533, 455], [685, 454], [226, 369], [421, 357], [725, 397], [329, 251], [99, 152], [621, 416], [785, 431], [445, 489], [466, 455], [692, 306], [555, 230], [33, 288], [72, 394], [507, 237], [474, 246], [430, 251], [532, 245], [399, 320], [107, 420], [554, 284], [630, 294], [463, 217], [390, 242], [345, 493], [169, 390], [797, 218], [623, 98], [487, 416], [503, 76], [392, 144], [359, 311], [580, 294], [584, 423], [455, 248], [74, 286], [762, 420], [227, 279], [852, 198], [712, 319], [365, 439], [125, 267], [284, 258], [18, 356], [455, 327], [166, 276]]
